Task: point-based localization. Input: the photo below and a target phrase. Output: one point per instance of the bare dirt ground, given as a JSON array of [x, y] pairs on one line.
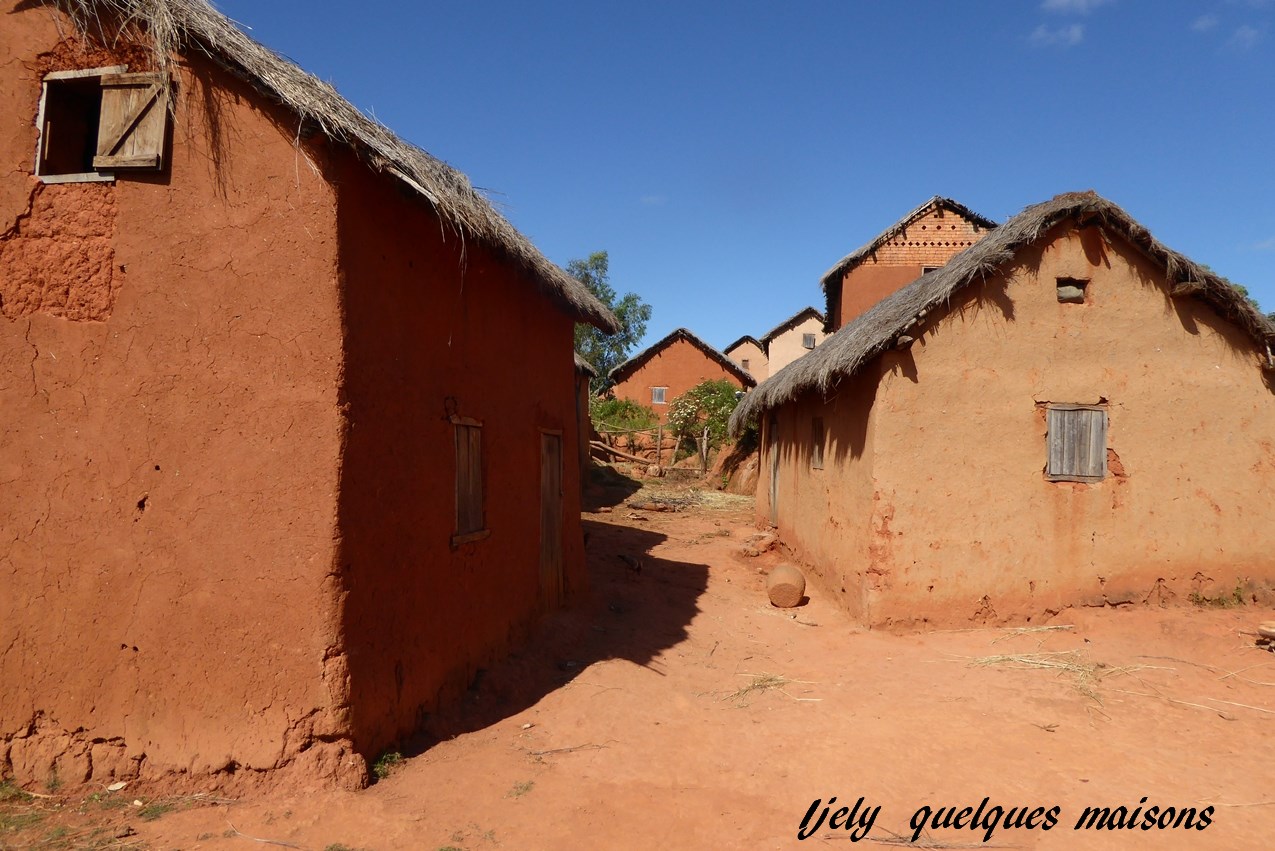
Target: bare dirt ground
[[673, 707]]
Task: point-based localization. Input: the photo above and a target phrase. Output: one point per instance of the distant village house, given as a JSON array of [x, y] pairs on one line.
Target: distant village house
[[795, 337], [750, 354], [669, 367], [920, 242]]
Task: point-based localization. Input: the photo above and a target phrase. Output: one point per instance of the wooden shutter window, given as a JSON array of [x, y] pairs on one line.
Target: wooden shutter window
[[133, 126], [1077, 441], [816, 443], [469, 481]]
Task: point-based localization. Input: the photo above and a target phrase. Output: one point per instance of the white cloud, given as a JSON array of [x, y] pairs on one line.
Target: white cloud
[[1204, 23], [1265, 245], [654, 200], [1244, 37], [1068, 36], [1072, 7]]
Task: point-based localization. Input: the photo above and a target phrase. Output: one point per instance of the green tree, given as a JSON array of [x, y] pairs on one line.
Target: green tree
[[603, 351]]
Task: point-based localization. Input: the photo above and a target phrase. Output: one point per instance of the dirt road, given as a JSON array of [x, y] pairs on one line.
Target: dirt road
[[675, 708]]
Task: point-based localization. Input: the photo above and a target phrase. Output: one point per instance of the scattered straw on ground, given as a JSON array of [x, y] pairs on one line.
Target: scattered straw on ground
[[1084, 672], [767, 682]]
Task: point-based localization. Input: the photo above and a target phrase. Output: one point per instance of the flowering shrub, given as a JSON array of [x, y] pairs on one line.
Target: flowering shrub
[[708, 403]]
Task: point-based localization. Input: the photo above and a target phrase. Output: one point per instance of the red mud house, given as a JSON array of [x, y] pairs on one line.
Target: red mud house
[[251, 417], [666, 369], [921, 241], [1067, 413]]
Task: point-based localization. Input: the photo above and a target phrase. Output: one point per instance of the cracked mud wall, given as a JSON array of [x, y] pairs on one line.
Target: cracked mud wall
[[954, 523], [169, 438], [435, 331]]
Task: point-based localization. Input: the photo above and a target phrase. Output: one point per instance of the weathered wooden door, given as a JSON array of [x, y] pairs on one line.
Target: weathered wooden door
[[772, 433], [551, 581]]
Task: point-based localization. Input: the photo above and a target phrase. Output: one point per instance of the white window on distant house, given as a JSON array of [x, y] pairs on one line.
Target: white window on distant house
[[808, 341], [657, 395], [1071, 290], [925, 270], [96, 122], [744, 362], [1076, 437], [469, 481], [816, 443]]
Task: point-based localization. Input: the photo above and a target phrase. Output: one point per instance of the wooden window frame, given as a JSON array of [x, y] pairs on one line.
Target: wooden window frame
[[813, 341], [464, 427], [817, 439], [138, 102], [663, 400], [1096, 444]]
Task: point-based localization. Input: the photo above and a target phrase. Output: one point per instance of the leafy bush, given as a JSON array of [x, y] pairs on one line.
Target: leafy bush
[[620, 415], [709, 403]]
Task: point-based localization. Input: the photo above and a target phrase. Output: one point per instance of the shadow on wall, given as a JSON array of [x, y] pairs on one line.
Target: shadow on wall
[[631, 612]]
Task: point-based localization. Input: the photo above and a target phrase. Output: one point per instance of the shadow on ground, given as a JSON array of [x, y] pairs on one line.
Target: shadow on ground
[[637, 606], [608, 487]]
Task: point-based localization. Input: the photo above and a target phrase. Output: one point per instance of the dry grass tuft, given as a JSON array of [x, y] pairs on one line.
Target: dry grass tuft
[[1084, 673]]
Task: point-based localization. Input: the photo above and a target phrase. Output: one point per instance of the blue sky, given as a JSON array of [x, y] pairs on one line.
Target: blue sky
[[727, 154]]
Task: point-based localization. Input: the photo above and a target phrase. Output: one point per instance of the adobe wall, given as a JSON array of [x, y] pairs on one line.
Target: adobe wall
[[826, 543], [965, 527], [931, 240], [438, 329], [758, 366], [679, 366], [169, 346], [786, 347]]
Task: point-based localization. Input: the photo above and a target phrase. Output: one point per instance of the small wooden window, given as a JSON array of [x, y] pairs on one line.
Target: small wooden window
[[1071, 290], [808, 341], [469, 481], [925, 270], [134, 120], [1077, 441], [657, 395], [96, 122], [744, 363], [816, 443]]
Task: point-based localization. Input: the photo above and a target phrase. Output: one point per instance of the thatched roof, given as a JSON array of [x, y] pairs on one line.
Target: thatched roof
[[831, 280], [847, 351], [791, 322], [183, 26], [744, 339], [584, 366], [633, 364]]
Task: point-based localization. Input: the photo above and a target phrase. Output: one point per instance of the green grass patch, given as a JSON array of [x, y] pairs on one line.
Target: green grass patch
[[386, 764], [1221, 601], [9, 792], [521, 788], [154, 810]]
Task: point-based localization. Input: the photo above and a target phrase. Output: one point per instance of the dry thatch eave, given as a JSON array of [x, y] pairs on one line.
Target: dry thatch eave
[[633, 364], [849, 349], [584, 366], [172, 27]]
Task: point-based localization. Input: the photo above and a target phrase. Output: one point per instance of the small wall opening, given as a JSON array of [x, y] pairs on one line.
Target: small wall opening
[[72, 112], [1071, 290]]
